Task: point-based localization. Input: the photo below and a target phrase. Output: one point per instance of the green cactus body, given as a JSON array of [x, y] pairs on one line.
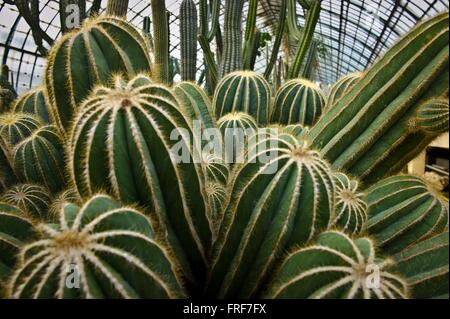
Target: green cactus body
[[60, 199], [368, 133], [7, 92], [122, 144], [433, 116], [194, 102], [425, 266], [33, 199], [118, 8], [403, 210], [15, 127], [112, 248], [40, 159], [34, 102], [160, 67], [188, 39], [80, 60], [15, 230], [237, 120], [274, 205], [342, 87], [243, 91], [336, 267], [7, 175], [351, 209], [299, 101]]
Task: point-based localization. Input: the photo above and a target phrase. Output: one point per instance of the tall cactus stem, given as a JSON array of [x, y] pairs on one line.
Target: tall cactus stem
[[278, 40], [188, 33], [250, 33], [117, 8], [160, 69]]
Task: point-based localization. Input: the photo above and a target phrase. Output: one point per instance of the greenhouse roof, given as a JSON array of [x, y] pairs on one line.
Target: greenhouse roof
[[354, 33]]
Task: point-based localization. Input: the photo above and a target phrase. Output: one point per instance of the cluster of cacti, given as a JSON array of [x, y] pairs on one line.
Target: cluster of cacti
[[110, 188]]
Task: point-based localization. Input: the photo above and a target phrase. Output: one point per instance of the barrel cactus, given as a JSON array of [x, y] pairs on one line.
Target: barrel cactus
[[33, 199], [40, 159], [342, 86], [336, 266], [275, 203], [90, 253], [15, 127], [404, 210], [368, 133], [123, 143], [34, 102], [425, 267], [80, 60], [243, 91], [299, 101], [433, 116]]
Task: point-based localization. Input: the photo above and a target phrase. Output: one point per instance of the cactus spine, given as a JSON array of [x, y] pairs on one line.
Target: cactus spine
[[299, 101], [40, 159], [100, 239], [433, 116], [335, 267], [33, 199], [425, 267], [160, 68], [342, 87], [188, 33], [404, 210], [351, 209], [232, 54], [274, 205], [122, 144], [368, 133], [81, 60], [34, 102], [243, 91], [14, 127], [118, 8]]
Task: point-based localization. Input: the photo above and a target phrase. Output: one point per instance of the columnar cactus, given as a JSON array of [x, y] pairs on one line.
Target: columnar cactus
[[33, 199], [100, 250], [40, 159], [243, 91], [188, 39], [34, 102], [425, 267], [342, 86], [160, 67], [299, 101], [404, 210], [123, 143], [16, 228], [276, 202], [351, 209], [118, 8], [368, 133], [433, 116], [334, 267], [194, 102], [81, 60], [14, 127], [7, 92]]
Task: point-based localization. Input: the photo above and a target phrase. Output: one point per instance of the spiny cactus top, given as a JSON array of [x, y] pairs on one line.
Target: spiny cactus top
[[100, 250], [123, 143], [15, 127], [336, 266], [243, 91], [89, 56], [299, 101], [33, 102], [276, 202], [342, 86], [404, 210], [351, 209], [33, 199]]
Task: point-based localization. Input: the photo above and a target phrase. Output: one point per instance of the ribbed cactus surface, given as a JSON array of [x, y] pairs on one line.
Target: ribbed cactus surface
[[342, 87], [404, 210], [99, 250], [79, 61], [368, 133], [188, 39], [274, 205], [122, 143], [33, 199], [243, 91], [160, 67], [299, 101], [425, 267], [15, 127], [433, 116], [351, 209], [40, 159], [118, 8], [33, 102], [336, 266]]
